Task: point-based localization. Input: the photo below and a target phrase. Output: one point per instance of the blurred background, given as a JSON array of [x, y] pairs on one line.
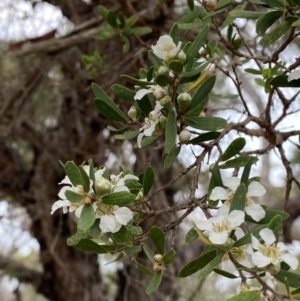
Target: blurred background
[[49, 58]]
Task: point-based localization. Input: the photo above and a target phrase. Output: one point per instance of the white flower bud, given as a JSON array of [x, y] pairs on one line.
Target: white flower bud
[[158, 258], [157, 267], [184, 100], [102, 186], [163, 70], [159, 92], [181, 56], [184, 136]]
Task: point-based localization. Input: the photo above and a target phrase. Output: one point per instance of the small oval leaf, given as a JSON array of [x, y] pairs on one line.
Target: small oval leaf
[[158, 238]]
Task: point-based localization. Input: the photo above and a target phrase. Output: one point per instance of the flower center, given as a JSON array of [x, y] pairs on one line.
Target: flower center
[[168, 48], [114, 179], [270, 251], [238, 253], [220, 227], [147, 122]]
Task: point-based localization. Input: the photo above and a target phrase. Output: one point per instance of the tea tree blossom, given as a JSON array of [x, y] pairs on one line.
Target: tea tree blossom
[[118, 182], [150, 123], [255, 189], [219, 228], [270, 252], [156, 90], [165, 48], [114, 218]]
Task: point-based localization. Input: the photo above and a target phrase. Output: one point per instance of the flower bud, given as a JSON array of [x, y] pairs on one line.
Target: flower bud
[[163, 70], [132, 113], [184, 100], [165, 100], [181, 56], [159, 92], [184, 136], [158, 258], [157, 267], [139, 196], [210, 5], [162, 121], [102, 186]]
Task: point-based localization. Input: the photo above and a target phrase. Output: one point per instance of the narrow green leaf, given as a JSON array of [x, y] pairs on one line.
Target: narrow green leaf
[[225, 274], [216, 179], [73, 173], [156, 61], [77, 237], [296, 23], [206, 123], [150, 254], [144, 269], [126, 43], [210, 267], [281, 81], [158, 238], [191, 236], [148, 141], [128, 135], [121, 20], [223, 3], [267, 20], [239, 199], [90, 246], [202, 91], [174, 33], [123, 92], [246, 173], [292, 278], [169, 257], [154, 283], [193, 74], [73, 196], [204, 137], [246, 296], [275, 34], [275, 225], [133, 250], [144, 105], [197, 43], [171, 157], [191, 16], [296, 291], [197, 264], [253, 71], [111, 19], [103, 11], [229, 19], [171, 132], [140, 30], [148, 180], [245, 14], [121, 198], [85, 180], [135, 81], [191, 4], [276, 3], [196, 111], [132, 20], [234, 148], [87, 217], [238, 162]]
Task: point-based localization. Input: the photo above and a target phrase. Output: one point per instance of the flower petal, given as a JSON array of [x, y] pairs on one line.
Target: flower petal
[[293, 75], [107, 223], [218, 238], [66, 180], [60, 204], [141, 93], [99, 174], [123, 215], [260, 260], [256, 189], [291, 260], [236, 217], [62, 192], [255, 211], [121, 188], [78, 211], [218, 193], [268, 236], [139, 139], [232, 183], [130, 177]]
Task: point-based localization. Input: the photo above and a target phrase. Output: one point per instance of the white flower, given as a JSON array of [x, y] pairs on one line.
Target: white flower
[[113, 222], [149, 124], [118, 182], [293, 75], [157, 91], [255, 189], [165, 48], [218, 228], [65, 204], [270, 252]]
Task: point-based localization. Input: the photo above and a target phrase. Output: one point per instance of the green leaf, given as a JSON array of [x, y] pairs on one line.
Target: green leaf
[[174, 33], [106, 106], [234, 148], [133, 250], [135, 81], [85, 180], [223, 3], [171, 132], [225, 274], [246, 296], [202, 91], [210, 267], [229, 19], [292, 278], [77, 237], [73, 173], [154, 283], [121, 20], [246, 173], [162, 80], [191, 236], [193, 74], [275, 225], [267, 20], [73, 196], [171, 157], [239, 199], [281, 81], [194, 48], [90, 246], [176, 66], [126, 43], [123, 92], [87, 217], [253, 71], [148, 180], [296, 291], [206, 123], [270, 214], [275, 34], [216, 179], [132, 20], [296, 23], [191, 16], [169, 257], [128, 135], [103, 11], [148, 141], [107, 33], [204, 137], [245, 14], [276, 3], [158, 238], [191, 4], [118, 258], [238, 162], [143, 269], [140, 30], [144, 105], [150, 254], [156, 61], [198, 109], [121, 198], [111, 19]]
